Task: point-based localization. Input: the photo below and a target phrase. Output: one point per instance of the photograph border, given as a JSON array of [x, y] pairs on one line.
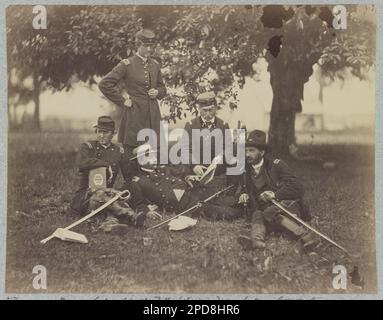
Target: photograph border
[[160, 296]]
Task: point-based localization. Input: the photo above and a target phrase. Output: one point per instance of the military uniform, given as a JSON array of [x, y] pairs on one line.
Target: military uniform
[[161, 187], [273, 175], [93, 155], [137, 77]]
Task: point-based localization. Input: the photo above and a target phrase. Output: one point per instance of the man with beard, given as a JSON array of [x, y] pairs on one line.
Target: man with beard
[[265, 179], [165, 187]]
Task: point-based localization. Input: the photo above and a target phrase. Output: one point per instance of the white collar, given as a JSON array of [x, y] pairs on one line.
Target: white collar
[[205, 121], [258, 166]]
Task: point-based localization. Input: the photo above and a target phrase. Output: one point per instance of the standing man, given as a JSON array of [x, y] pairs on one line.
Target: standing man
[[141, 78], [212, 129], [266, 179]]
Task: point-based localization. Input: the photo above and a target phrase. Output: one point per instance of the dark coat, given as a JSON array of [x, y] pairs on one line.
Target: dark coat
[[136, 78], [162, 186], [92, 155], [197, 123], [275, 175]]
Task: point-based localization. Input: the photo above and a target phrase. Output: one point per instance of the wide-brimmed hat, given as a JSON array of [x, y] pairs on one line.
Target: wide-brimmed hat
[[257, 138], [105, 123], [146, 36]]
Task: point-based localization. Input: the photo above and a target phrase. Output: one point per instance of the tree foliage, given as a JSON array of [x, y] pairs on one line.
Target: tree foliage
[[200, 47]]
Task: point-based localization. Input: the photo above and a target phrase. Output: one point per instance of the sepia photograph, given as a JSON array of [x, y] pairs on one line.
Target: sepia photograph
[[191, 149]]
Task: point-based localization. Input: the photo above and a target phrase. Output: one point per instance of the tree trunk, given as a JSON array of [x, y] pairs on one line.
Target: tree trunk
[[287, 81], [281, 131], [36, 100]]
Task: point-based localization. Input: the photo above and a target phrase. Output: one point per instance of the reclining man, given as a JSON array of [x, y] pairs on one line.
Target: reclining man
[[163, 186], [102, 153], [265, 179]]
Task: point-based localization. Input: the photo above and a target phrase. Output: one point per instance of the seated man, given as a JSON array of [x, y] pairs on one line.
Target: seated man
[[101, 153], [160, 185], [211, 134], [265, 179]]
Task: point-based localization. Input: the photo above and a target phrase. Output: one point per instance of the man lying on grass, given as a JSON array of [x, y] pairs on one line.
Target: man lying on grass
[[165, 187], [102, 153], [265, 179]]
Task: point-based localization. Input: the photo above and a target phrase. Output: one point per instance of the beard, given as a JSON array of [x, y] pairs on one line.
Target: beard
[[254, 160]]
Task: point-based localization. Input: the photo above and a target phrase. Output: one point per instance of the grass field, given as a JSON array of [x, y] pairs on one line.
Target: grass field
[[205, 259]]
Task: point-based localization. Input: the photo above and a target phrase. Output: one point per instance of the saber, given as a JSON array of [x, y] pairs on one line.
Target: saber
[[198, 205], [61, 231], [280, 206]]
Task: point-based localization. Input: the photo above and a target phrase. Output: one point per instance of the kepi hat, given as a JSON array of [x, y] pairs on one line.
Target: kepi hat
[[105, 123], [146, 36], [257, 138]]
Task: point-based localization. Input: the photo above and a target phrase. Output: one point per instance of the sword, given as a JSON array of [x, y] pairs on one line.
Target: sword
[[280, 206], [119, 195], [196, 206]]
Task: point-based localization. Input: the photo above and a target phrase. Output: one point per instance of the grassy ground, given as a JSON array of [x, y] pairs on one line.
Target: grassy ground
[[205, 259]]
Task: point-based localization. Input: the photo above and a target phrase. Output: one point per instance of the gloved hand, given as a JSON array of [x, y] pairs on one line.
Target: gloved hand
[[191, 179], [267, 196], [128, 102], [199, 170], [243, 198]]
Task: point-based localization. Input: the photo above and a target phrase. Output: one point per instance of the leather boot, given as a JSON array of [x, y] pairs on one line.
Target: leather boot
[[304, 235], [256, 239], [112, 225], [127, 215]]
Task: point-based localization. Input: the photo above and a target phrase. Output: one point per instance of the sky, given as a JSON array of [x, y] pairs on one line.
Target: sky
[[350, 102]]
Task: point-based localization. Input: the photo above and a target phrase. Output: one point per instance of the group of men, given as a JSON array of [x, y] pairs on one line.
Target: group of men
[[176, 188]]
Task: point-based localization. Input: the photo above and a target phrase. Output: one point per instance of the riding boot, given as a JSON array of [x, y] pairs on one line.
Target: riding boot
[[300, 232]]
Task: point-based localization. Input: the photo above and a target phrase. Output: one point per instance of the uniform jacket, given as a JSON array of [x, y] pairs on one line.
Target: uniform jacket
[[158, 187], [92, 155], [197, 123], [135, 77], [274, 175]]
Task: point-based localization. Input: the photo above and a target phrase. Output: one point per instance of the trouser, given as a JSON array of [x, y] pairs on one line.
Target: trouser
[[79, 204], [118, 209], [129, 168], [214, 211], [272, 217]]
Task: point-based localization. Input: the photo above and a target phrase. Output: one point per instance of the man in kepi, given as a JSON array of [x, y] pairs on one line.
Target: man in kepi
[[141, 80], [102, 153], [265, 179], [212, 130]]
